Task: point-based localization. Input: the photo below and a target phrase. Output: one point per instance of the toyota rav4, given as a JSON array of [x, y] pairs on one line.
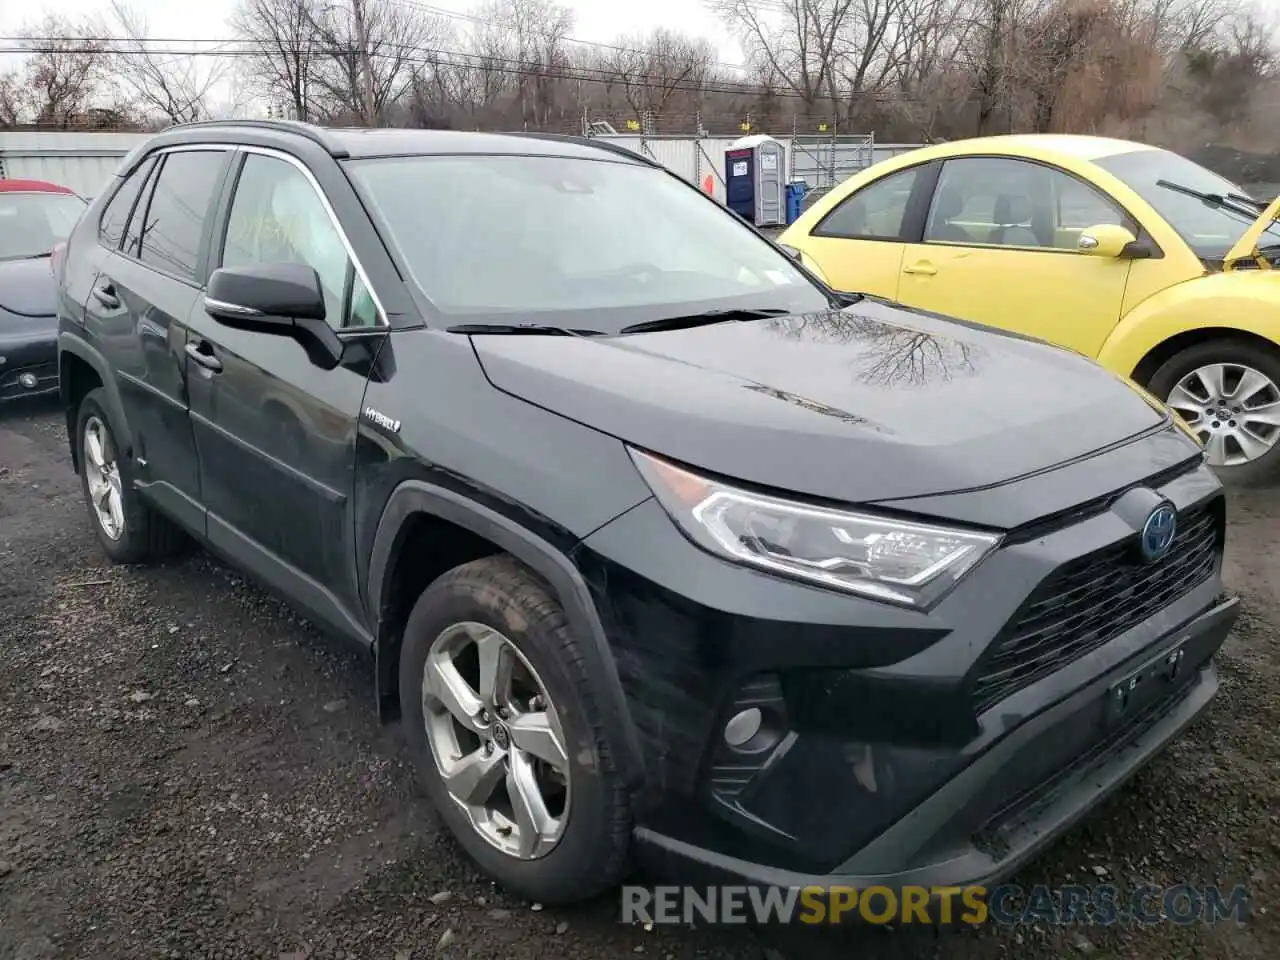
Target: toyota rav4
[[662, 551]]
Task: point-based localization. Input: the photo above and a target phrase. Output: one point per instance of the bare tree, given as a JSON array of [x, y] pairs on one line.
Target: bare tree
[[657, 70], [798, 43], [287, 50], [11, 99], [174, 87], [371, 61], [63, 71]]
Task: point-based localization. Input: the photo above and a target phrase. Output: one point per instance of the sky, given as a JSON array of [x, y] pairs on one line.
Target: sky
[[595, 20]]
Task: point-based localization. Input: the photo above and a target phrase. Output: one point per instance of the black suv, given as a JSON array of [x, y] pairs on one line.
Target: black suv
[[660, 547]]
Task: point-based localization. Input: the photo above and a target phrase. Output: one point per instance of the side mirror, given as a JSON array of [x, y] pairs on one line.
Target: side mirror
[[285, 299], [1109, 240]]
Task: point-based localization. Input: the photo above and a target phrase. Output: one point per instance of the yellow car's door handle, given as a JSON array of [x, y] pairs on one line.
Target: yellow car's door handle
[[924, 268]]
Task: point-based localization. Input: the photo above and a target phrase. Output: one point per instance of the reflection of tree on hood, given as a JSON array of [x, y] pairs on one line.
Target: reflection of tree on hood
[[892, 355]]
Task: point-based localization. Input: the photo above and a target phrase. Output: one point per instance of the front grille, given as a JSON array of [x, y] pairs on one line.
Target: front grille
[[1093, 599]]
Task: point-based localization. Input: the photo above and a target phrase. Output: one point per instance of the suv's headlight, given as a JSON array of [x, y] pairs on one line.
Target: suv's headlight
[[907, 563]]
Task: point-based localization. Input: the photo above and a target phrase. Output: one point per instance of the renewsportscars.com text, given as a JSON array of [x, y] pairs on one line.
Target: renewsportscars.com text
[[1006, 905]]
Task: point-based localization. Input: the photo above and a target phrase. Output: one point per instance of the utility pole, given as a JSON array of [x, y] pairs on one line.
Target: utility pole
[[366, 68]]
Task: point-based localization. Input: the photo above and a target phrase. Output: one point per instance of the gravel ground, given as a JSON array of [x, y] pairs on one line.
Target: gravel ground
[[188, 770]]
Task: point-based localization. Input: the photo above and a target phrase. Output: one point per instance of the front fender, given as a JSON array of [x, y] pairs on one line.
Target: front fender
[[545, 559], [1245, 301]]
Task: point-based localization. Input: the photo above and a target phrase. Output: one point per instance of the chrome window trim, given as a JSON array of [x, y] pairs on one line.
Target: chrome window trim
[[324, 202]]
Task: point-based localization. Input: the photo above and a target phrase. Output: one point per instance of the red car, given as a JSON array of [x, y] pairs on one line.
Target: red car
[[35, 218]]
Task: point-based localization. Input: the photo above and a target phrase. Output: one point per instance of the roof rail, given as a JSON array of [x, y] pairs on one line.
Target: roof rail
[[313, 133], [595, 142]]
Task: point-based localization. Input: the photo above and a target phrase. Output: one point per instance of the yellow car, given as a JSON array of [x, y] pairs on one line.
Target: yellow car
[[1132, 255]]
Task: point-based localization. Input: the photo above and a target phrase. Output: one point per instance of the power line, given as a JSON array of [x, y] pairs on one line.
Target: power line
[[425, 57]]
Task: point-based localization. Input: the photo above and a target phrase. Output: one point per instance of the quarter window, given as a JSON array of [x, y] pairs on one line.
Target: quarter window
[[277, 217], [178, 210], [116, 215], [876, 212]]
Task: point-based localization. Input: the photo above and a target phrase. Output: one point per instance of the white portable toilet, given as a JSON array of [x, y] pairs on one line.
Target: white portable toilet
[[755, 179]]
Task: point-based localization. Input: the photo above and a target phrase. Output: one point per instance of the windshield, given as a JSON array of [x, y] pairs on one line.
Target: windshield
[[593, 245], [32, 224], [1209, 229]]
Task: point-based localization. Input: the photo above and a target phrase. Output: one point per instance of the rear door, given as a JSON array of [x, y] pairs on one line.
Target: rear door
[[275, 432], [139, 305]]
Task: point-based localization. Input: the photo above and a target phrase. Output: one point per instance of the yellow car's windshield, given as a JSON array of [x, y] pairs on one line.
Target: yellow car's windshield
[[1209, 212]]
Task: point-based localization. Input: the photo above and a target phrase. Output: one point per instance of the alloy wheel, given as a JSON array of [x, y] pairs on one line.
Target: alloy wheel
[[102, 471], [496, 739], [1234, 409]]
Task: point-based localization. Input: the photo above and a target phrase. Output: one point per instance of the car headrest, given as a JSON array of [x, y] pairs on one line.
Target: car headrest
[[950, 203], [1011, 209]]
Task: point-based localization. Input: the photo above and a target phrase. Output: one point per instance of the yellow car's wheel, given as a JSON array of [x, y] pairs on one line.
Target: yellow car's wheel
[[1229, 392]]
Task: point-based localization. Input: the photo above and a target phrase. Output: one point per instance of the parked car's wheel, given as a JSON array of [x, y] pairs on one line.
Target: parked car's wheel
[[1229, 392], [129, 530], [506, 735]]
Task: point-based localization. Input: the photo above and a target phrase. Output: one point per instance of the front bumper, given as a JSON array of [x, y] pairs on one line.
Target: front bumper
[[28, 364], [886, 754], [945, 841]]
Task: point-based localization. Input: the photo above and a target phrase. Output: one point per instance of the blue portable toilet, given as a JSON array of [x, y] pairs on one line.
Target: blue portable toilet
[[754, 178]]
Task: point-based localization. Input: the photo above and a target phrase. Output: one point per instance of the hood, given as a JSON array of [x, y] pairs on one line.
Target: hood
[[870, 403], [28, 288], [1246, 248]]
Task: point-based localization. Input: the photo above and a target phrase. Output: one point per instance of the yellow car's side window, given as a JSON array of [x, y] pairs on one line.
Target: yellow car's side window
[[876, 212], [1005, 202]]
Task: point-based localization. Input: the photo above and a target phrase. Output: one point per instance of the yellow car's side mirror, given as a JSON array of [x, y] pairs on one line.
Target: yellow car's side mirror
[[1106, 240]]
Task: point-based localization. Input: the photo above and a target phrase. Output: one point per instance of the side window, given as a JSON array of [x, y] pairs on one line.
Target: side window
[[277, 217], [1002, 202], [179, 209], [133, 232], [876, 212], [116, 215]]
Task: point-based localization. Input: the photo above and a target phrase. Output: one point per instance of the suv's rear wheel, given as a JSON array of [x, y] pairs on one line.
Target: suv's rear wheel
[[506, 735], [1229, 392], [129, 530]]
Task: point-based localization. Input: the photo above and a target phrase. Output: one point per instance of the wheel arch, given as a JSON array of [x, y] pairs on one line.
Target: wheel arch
[[1158, 355], [413, 500], [81, 368]]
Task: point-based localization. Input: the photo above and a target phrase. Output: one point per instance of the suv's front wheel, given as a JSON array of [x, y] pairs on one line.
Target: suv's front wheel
[[506, 735], [129, 530]]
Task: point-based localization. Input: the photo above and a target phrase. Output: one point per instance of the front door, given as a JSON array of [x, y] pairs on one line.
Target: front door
[[275, 432], [999, 247]]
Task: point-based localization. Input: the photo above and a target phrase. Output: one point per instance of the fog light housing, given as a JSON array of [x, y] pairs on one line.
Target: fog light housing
[[27, 381]]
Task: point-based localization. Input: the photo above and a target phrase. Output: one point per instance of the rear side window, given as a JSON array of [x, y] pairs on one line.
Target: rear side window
[[116, 215], [876, 212], [179, 209]]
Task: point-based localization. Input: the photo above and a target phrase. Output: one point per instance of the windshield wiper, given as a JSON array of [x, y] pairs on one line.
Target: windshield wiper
[[527, 329], [703, 319], [30, 256], [1245, 206]]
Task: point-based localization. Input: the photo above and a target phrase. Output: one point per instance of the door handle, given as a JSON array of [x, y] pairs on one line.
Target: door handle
[[924, 268], [200, 353], [105, 294]]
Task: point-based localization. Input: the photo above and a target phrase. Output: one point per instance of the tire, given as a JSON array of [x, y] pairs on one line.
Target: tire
[[146, 536], [1265, 469], [591, 854]]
